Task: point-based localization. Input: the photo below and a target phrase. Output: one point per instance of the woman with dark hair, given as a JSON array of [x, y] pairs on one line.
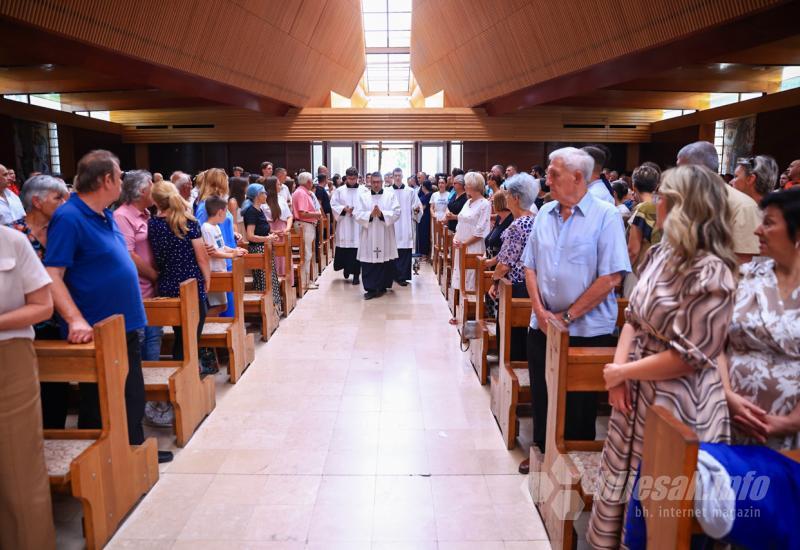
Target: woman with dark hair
[[424, 224], [493, 183], [500, 223], [764, 337], [237, 187], [279, 216]]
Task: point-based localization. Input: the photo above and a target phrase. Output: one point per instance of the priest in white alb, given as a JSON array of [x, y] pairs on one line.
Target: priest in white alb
[[377, 211], [410, 212], [343, 201]]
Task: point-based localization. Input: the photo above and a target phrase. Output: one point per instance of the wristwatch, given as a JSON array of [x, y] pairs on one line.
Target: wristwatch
[[566, 317]]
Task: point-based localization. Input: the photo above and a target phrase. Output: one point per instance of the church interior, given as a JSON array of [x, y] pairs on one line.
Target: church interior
[[399, 274]]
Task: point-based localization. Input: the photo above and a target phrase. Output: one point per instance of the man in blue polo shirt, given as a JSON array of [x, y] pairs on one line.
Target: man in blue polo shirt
[[574, 258], [94, 278]]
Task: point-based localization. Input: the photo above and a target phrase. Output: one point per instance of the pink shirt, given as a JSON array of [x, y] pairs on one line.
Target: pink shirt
[[301, 200], [132, 224]]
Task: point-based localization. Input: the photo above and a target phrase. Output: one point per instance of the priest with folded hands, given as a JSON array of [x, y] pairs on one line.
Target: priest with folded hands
[[376, 212]]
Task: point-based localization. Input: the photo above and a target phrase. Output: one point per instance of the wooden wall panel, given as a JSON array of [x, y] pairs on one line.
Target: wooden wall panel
[[776, 135], [482, 155], [664, 146], [288, 51], [540, 124], [488, 49]]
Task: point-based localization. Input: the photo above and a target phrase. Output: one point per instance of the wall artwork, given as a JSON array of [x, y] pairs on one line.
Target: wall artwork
[[31, 147]]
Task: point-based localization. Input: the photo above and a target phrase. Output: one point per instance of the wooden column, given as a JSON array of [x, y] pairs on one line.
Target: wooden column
[[632, 157], [706, 132], [142, 156]]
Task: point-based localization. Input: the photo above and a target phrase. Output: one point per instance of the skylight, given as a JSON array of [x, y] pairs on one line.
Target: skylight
[[387, 34]]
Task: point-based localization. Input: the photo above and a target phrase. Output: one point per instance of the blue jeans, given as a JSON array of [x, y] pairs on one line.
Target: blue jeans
[[150, 342]]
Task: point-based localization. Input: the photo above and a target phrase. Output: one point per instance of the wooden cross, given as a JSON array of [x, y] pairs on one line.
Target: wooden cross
[[377, 252]]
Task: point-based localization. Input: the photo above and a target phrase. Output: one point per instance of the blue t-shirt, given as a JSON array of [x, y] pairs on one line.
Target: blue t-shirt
[[100, 274]]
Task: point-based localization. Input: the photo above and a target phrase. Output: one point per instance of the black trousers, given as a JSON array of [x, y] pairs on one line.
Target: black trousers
[[402, 265], [377, 277], [581, 410], [347, 259], [89, 409]]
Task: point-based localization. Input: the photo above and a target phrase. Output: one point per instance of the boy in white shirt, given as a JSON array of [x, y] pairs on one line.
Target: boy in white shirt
[[212, 237]]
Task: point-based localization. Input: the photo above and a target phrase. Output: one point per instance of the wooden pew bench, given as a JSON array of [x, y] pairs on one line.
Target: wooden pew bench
[[512, 386], [282, 251], [258, 302], [179, 382], [481, 348], [575, 464], [467, 299], [298, 253], [447, 261], [98, 467], [437, 257], [670, 449], [226, 332]]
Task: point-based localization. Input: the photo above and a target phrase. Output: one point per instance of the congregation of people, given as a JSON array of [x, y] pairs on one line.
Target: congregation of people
[[710, 269]]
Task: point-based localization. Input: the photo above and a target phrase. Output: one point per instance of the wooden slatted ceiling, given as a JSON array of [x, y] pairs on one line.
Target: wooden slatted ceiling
[[294, 51], [491, 48], [539, 124]]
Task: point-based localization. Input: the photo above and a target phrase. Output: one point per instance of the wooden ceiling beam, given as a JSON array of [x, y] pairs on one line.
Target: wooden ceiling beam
[[750, 31], [62, 50]]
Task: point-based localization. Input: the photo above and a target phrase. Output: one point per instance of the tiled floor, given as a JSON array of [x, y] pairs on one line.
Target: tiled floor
[[360, 425]]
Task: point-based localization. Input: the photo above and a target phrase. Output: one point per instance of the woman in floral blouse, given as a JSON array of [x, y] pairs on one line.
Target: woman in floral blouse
[[764, 338]]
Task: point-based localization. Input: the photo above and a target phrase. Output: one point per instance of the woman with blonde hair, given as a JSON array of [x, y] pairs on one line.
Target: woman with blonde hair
[[179, 254], [675, 331]]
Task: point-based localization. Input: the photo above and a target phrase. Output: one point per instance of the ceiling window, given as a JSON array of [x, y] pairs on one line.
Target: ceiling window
[[387, 33]]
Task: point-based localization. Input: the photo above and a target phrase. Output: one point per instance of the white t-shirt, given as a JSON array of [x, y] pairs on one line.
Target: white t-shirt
[[284, 192], [212, 235], [21, 273], [285, 210], [11, 208]]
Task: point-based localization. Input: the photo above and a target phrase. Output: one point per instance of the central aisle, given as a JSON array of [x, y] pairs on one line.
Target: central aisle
[[359, 425]]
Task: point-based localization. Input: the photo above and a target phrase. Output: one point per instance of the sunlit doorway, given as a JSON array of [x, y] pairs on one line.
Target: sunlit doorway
[[385, 156]]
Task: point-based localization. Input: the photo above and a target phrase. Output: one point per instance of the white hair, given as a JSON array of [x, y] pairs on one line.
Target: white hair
[[575, 160], [134, 184], [475, 181], [523, 187], [41, 186], [180, 179], [700, 152], [303, 178]]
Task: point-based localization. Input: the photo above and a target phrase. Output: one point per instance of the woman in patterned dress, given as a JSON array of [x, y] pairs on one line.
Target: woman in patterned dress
[[677, 323], [764, 340]]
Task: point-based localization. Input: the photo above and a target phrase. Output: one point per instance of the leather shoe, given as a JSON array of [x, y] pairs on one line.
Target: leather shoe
[[356, 280], [525, 466], [402, 283], [370, 295], [165, 456]]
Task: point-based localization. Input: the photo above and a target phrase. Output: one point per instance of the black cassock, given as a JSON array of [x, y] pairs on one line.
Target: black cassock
[[377, 277], [403, 264], [346, 259]]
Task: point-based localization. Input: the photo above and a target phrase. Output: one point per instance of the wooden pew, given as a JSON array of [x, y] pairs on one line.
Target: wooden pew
[[466, 298], [487, 343], [574, 463], [282, 250], [228, 332], [670, 449], [258, 302], [179, 382], [297, 260], [447, 261], [98, 467], [453, 296], [512, 386], [437, 230]]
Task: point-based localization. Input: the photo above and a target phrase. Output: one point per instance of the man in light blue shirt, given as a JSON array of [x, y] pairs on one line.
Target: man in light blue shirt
[[597, 186], [575, 256]]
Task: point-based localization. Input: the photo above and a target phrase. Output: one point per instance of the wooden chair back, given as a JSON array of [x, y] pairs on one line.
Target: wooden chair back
[[483, 282], [282, 250], [264, 307], [298, 243], [511, 313]]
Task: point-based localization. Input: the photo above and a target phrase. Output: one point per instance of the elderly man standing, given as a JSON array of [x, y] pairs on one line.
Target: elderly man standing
[[410, 209], [11, 209], [746, 213], [574, 258], [305, 212], [183, 183], [94, 277]]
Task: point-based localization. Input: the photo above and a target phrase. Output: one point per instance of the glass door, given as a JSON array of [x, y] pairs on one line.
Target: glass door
[[340, 156]]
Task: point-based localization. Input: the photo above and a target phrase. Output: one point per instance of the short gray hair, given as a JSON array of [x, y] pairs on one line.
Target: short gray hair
[[523, 187], [303, 178], [459, 179], [766, 171], [575, 159], [702, 153], [133, 184], [476, 181], [181, 179], [40, 186]]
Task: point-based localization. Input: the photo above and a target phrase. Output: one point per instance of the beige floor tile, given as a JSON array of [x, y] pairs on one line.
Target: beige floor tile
[[453, 462], [295, 462], [279, 523], [191, 461], [217, 522], [520, 522], [471, 523], [235, 489], [354, 462], [459, 491], [247, 461], [337, 523], [508, 489], [344, 490], [471, 545], [403, 521], [281, 490]]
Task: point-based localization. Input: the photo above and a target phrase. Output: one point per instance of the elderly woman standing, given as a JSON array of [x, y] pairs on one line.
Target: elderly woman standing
[[26, 519], [764, 337], [676, 328], [473, 226], [41, 196]]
